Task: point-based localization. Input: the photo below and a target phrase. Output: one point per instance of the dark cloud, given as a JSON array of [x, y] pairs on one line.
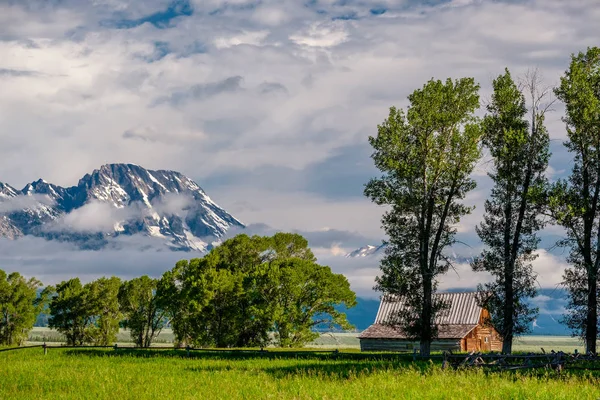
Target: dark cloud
[[272, 87], [202, 91], [16, 72]]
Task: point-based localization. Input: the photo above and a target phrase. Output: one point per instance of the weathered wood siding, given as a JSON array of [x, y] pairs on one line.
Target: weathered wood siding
[[482, 338], [406, 345]]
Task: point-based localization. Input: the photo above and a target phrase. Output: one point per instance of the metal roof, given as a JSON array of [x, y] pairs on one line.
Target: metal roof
[[463, 310], [378, 331]]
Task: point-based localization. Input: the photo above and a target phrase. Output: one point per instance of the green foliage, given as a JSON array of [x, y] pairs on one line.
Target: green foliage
[[249, 286], [70, 312], [86, 313], [426, 156], [574, 202], [141, 307], [19, 306], [306, 295], [513, 211], [104, 305]]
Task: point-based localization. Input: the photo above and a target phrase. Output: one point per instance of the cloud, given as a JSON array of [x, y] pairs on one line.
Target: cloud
[[18, 203], [268, 105], [203, 91], [53, 261], [94, 216], [16, 72]]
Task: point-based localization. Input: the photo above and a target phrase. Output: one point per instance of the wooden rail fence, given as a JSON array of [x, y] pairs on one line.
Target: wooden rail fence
[[557, 361]]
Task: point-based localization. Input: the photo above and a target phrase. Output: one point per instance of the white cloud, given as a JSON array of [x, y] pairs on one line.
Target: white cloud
[[18, 203], [89, 95], [252, 38], [322, 34], [94, 216]]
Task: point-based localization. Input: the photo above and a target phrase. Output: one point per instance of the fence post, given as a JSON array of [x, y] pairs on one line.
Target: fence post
[[414, 354], [445, 362], [187, 350], [45, 348]]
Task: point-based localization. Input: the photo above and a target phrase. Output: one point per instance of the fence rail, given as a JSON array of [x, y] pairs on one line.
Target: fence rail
[[557, 361]]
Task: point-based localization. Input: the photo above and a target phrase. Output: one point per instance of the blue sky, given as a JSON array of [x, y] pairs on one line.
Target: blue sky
[[266, 104]]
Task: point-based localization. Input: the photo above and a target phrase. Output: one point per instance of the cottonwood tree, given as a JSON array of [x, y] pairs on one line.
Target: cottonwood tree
[[307, 296], [19, 306], [70, 312], [86, 313], [513, 213], [141, 308], [104, 306], [574, 202], [426, 155], [248, 287]]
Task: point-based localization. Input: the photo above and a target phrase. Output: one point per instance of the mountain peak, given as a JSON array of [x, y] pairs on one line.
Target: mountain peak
[[163, 204]]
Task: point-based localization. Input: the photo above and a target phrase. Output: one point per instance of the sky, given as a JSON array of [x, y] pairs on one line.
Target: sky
[[268, 105]]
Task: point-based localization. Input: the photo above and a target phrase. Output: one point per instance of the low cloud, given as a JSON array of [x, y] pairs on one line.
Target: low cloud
[[52, 261], [94, 216], [97, 216], [18, 203]]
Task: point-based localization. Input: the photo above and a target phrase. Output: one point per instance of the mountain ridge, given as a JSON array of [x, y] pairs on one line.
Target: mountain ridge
[[157, 203]]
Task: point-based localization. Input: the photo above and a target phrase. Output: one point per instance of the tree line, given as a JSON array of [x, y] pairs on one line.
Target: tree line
[[427, 155], [248, 291]]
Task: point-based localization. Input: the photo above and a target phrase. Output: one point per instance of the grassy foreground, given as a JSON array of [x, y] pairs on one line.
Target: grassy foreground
[[168, 374]]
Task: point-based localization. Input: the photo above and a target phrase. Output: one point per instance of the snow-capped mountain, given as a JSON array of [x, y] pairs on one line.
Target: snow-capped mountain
[[116, 200], [367, 251], [370, 251]]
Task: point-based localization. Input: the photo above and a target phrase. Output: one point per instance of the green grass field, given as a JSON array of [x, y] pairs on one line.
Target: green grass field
[[169, 374]]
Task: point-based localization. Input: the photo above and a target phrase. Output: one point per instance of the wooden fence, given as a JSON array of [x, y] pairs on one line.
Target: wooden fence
[[557, 361]]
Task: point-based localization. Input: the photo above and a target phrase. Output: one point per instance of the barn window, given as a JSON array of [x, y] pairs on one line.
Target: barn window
[[486, 339]]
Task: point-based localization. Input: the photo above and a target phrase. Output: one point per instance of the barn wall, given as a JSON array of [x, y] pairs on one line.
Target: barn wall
[[476, 339], [495, 343], [406, 345]]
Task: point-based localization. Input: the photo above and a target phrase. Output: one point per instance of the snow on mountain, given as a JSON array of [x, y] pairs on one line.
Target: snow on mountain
[[367, 251], [117, 200], [370, 251]]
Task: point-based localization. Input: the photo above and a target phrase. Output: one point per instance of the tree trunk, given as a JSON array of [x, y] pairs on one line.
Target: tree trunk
[[426, 334], [507, 336], [591, 329], [508, 312]]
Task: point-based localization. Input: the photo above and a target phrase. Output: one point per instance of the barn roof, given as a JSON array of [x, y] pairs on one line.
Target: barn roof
[[379, 331], [463, 310]]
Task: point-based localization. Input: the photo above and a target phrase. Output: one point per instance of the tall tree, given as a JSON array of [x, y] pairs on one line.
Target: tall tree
[[19, 306], [140, 306], [70, 312], [513, 213], [250, 286], [104, 306], [574, 202], [307, 296], [427, 156]]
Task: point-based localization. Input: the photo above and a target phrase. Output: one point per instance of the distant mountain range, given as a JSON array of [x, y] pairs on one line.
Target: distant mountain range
[[116, 200]]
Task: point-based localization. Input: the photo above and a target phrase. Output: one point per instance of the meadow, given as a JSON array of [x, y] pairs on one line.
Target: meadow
[[170, 374]]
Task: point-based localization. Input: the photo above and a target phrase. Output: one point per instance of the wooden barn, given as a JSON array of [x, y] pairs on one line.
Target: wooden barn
[[460, 328]]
